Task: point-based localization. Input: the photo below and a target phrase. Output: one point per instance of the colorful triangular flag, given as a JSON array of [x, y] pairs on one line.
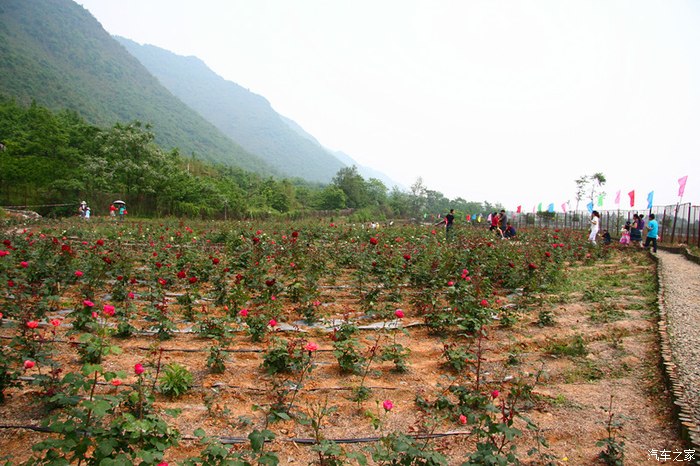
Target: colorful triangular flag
[[681, 183]]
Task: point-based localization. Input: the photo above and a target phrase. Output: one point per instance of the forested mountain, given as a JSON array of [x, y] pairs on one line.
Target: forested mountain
[[54, 52], [242, 115], [53, 160]]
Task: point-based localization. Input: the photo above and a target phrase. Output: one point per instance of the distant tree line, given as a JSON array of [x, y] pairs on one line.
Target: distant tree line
[[55, 158]]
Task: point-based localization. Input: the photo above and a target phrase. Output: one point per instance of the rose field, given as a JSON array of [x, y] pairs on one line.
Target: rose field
[[312, 342]]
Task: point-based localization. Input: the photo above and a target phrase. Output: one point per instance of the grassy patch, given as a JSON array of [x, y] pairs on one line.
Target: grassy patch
[[606, 312], [574, 347]]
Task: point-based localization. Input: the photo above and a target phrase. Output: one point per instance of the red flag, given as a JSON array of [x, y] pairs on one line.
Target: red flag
[[631, 195], [617, 197], [681, 188], [519, 209]]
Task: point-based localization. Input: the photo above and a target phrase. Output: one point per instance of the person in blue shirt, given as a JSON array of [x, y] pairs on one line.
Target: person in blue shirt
[[653, 234], [509, 231]]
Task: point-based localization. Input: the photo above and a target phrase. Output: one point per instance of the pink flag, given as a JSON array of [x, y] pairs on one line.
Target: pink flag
[[631, 195], [681, 188], [563, 207], [617, 197]]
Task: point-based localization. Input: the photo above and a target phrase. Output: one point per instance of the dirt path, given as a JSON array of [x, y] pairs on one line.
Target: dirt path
[[680, 304]]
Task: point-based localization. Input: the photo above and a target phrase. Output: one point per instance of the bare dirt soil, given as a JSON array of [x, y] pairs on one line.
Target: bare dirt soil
[[609, 309]]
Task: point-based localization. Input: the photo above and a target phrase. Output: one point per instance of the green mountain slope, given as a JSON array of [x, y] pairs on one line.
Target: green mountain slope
[[55, 52], [242, 115]]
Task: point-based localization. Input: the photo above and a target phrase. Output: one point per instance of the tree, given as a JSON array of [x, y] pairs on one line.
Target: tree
[[331, 198], [589, 182], [580, 189], [376, 192], [353, 185], [597, 180], [418, 191]]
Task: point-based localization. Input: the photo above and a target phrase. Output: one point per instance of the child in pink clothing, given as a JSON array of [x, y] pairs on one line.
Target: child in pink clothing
[[624, 236]]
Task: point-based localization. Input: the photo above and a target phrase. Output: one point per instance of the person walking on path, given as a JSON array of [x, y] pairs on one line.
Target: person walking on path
[[653, 232], [595, 226], [503, 219]]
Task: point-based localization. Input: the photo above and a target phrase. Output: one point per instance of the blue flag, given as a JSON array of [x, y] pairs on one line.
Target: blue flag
[[590, 207], [650, 199], [550, 208]]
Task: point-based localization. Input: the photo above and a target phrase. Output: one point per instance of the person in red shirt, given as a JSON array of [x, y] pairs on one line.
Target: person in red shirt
[[495, 221]]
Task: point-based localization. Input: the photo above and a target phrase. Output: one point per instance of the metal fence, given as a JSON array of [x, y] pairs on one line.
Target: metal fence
[[677, 223]]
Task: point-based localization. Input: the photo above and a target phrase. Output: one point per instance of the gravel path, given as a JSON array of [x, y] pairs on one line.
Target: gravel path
[[680, 299]]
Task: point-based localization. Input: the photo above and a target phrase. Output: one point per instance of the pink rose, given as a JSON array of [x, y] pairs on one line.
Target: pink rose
[[399, 313], [138, 369], [311, 347], [388, 405]]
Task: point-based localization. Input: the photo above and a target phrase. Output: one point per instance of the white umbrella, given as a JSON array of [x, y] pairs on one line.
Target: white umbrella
[[119, 202]]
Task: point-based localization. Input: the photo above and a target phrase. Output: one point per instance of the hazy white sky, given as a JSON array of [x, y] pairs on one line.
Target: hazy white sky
[[488, 100]]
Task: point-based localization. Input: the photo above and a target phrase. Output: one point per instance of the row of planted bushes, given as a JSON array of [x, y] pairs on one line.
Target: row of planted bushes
[[112, 279]]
